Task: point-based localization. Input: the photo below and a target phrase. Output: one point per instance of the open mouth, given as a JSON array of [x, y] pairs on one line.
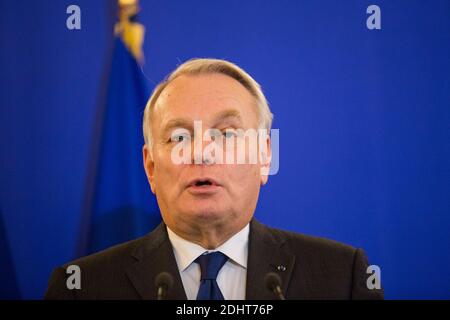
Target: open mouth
[[201, 183]]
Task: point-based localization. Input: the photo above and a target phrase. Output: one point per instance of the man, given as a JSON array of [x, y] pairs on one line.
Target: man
[[209, 241]]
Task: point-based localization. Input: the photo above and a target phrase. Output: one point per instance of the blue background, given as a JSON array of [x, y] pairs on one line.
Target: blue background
[[364, 119]]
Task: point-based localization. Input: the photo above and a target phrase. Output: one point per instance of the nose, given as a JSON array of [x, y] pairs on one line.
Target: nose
[[198, 153]]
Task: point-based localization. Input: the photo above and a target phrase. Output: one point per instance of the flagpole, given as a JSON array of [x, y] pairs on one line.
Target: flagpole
[[131, 32]]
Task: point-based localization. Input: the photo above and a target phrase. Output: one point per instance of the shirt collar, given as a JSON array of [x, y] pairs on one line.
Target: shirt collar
[[235, 248]]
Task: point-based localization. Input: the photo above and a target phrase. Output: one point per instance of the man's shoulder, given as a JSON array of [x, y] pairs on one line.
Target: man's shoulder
[[112, 255], [308, 245], [120, 254], [105, 274], [321, 268]]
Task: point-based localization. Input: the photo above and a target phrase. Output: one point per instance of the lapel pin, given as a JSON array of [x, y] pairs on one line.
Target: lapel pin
[[281, 268]]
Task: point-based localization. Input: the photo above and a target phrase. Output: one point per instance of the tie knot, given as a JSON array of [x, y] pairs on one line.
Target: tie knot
[[210, 264]]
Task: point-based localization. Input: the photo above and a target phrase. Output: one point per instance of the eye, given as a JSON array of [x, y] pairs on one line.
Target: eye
[[229, 133], [179, 137]]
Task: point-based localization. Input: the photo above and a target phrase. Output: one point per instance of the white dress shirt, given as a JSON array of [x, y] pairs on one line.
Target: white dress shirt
[[231, 278]]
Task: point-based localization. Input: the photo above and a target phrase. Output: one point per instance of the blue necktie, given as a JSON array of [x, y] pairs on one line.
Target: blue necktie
[[210, 265]]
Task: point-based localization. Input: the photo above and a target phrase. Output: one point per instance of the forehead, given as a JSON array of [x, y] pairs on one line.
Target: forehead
[[203, 96]]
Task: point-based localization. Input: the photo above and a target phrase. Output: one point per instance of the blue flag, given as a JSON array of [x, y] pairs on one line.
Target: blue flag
[[9, 286], [123, 207]]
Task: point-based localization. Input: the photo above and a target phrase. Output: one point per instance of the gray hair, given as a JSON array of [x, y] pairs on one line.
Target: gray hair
[[210, 66]]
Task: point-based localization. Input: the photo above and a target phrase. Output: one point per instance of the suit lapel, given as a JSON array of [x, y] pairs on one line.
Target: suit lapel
[[154, 255], [266, 254]]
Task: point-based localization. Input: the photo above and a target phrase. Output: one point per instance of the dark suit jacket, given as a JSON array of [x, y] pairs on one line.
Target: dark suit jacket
[[314, 268]]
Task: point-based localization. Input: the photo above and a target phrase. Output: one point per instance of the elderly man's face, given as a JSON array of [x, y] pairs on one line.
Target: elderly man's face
[[230, 196]]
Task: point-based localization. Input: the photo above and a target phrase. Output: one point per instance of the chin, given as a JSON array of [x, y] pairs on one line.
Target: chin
[[208, 214]]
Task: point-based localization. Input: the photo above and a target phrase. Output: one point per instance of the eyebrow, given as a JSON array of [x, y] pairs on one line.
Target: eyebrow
[[227, 114], [189, 124], [177, 123]]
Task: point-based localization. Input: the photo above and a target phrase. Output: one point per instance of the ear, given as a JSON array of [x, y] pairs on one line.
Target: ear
[[265, 153], [149, 165]]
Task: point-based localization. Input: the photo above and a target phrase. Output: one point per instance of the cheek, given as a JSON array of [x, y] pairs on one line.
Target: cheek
[[244, 177], [165, 171]]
